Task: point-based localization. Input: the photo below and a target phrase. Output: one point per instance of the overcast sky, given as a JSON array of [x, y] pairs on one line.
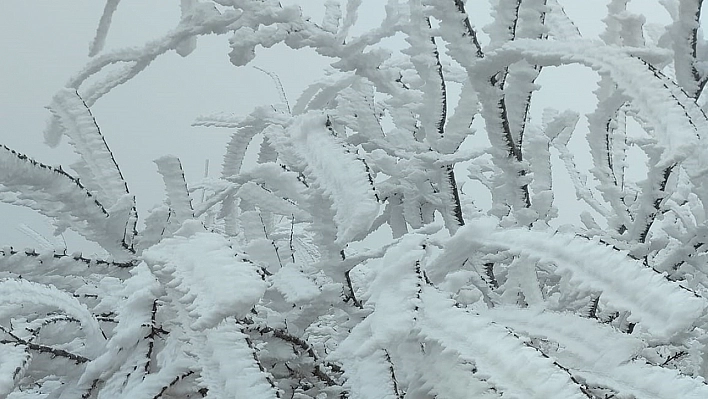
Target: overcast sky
[[44, 42]]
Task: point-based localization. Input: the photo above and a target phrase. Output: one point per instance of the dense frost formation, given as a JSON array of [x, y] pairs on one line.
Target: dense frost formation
[[346, 252]]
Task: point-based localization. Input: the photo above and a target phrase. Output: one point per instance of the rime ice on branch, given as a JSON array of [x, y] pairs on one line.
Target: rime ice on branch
[[353, 258]]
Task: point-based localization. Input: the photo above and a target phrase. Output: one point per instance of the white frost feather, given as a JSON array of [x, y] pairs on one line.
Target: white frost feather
[[501, 359], [205, 274], [100, 171], [337, 171], [624, 282], [229, 368], [177, 193], [13, 360], [25, 292]]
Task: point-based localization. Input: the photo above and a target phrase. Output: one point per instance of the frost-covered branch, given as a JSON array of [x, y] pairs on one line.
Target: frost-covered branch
[[341, 253], [78, 359], [58, 195]]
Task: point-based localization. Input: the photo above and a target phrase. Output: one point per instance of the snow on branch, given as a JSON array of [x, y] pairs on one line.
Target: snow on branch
[[187, 7], [58, 195], [624, 282], [98, 169], [70, 272], [267, 290], [203, 272], [334, 167], [230, 365], [584, 341], [125, 363], [104, 26], [18, 292], [677, 120], [267, 201], [685, 36], [457, 29], [204, 19], [13, 364], [559, 24], [247, 129], [500, 358], [55, 352], [170, 168], [395, 310]]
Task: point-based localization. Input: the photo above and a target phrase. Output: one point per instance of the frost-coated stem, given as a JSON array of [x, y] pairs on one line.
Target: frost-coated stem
[[652, 198], [685, 32], [78, 359], [103, 27], [608, 147], [450, 183], [469, 31]]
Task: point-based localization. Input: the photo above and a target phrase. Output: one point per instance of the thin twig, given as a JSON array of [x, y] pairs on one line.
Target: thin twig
[[350, 294], [306, 347], [42, 348]]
